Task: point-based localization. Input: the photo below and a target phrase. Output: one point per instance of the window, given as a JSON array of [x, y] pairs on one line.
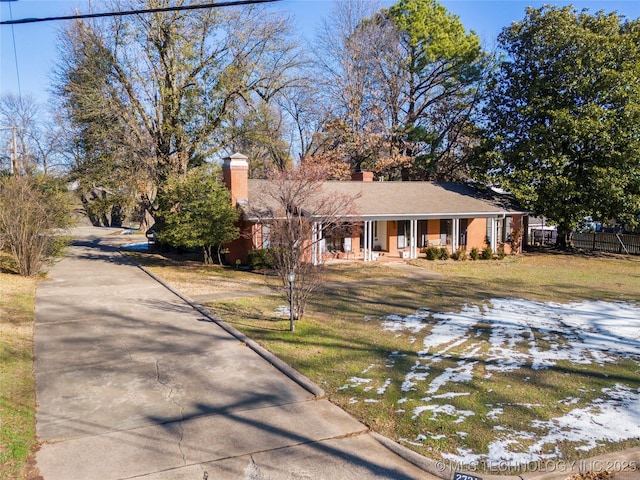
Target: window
[[261, 236], [423, 239], [446, 230], [503, 229], [403, 227], [462, 240]]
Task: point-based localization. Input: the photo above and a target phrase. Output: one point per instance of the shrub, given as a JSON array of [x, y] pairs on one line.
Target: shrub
[[444, 253], [487, 253], [31, 209], [261, 259], [500, 251], [475, 253], [459, 254], [432, 253]]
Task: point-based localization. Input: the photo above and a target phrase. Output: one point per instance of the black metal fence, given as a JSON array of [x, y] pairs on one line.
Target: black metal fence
[[608, 242]]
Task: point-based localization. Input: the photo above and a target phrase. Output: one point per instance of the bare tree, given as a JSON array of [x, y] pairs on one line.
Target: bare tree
[[300, 211], [152, 93], [38, 134], [405, 83], [30, 208], [346, 44]]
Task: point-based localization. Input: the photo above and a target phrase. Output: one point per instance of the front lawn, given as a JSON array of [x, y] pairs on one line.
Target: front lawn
[[493, 362]]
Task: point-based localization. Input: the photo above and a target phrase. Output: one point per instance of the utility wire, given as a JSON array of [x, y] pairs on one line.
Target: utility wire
[[136, 12], [15, 51]]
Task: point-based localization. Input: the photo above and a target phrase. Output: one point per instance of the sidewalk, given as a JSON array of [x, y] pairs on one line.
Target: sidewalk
[[132, 382]]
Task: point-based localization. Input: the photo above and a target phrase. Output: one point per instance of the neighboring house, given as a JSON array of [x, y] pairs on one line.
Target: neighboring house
[[540, 232], [394, 219]]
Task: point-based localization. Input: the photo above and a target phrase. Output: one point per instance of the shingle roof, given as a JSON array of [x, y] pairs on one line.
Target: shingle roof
[[380, 200]]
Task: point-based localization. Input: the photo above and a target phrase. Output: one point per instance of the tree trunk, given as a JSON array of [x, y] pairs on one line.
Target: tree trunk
[[208, 257], [565, 238]]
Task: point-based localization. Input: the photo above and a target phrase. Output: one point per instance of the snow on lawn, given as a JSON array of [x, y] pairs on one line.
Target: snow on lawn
[[534, 335]]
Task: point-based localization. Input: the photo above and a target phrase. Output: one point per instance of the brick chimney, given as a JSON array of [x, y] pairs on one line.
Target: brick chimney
[[235, 175], [362, 177]]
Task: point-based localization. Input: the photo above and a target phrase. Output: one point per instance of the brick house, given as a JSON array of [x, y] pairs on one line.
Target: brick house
[[394, 219]]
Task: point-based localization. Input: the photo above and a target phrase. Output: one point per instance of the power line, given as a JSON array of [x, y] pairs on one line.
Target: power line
[[136, 12], [15, 50]]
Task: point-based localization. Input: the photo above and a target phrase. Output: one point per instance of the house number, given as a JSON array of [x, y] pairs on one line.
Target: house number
[[465, 476]]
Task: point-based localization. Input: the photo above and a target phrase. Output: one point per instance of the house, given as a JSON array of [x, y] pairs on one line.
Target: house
[[395, 219]]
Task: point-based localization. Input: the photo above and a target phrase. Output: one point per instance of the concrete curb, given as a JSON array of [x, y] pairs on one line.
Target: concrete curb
[[436, 468]]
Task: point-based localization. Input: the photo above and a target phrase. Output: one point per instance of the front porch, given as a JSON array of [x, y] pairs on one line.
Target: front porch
[[396, 239]]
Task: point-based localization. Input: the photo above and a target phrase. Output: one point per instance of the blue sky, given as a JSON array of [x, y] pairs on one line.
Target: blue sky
[[36, 50]]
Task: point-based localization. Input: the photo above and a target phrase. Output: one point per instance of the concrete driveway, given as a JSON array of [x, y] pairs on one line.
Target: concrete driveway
[[132, 382]]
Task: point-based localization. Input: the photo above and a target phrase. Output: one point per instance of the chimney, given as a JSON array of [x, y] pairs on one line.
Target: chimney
[[362, 177], [235, 175]]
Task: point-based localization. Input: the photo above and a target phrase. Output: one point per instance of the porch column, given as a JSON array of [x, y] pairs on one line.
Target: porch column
[[455, 234], [315, 244], [494, 234], [366, 240], [413, 232]]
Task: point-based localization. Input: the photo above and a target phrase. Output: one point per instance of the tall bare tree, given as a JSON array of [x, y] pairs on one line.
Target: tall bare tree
[[152, 92], [346, 42], [406, 84], [38, 136]]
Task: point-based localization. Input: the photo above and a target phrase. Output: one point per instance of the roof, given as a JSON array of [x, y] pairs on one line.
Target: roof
[[411, 200]]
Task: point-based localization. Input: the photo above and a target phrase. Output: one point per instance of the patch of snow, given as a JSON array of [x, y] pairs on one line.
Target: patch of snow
[[444, 409], [613, 420], [384, 387], [368, 369], [417, 373], [355, 382], [462, 373], [525, 334], [413, 323], [359, 380], [452, 329], [452, 395], [494, 413]]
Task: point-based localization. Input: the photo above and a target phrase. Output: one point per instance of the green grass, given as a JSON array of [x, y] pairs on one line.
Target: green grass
[[341, 338], [17, 386]]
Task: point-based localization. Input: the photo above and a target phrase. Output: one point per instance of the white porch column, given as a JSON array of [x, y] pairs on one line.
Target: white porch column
[[494, 234], [366, 241], [455, 234], [413, 229], [315, 245]]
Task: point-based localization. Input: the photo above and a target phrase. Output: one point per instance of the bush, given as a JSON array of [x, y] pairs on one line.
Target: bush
[[500, 252], [487, 253], [444, 253], [31, 208], [261, 259], [460, 254], [432, 253], [475, 253]]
